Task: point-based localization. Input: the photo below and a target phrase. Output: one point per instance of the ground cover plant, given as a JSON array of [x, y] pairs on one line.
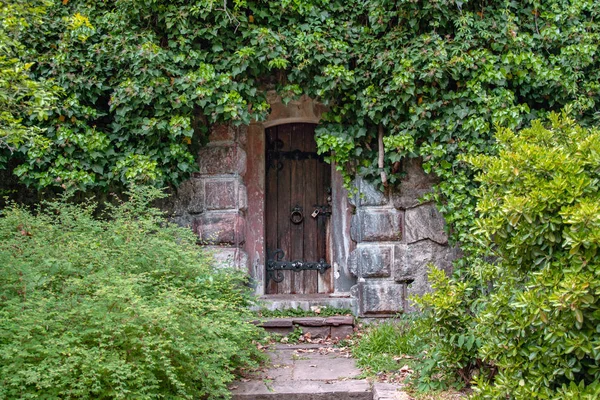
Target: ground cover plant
[[122, 307], [315, 311]]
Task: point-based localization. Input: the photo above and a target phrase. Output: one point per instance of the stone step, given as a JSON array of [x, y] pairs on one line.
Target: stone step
[[319, 327], [304, 390], [312, 372], [304, 302]]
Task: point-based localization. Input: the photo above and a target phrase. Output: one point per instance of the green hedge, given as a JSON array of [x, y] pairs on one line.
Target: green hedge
[[121, 307], [526, 323]]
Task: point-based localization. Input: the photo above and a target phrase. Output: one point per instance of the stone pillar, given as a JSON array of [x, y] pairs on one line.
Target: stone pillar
[[397, 238], [214, 201]]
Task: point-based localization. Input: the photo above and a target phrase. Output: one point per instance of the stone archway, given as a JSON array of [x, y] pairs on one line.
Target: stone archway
[[339, 246], [379, 246]]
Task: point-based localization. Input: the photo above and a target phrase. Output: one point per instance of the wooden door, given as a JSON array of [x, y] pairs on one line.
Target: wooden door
[[297, 208]]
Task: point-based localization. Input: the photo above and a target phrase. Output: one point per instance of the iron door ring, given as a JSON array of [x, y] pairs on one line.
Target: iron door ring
[[297, 217]]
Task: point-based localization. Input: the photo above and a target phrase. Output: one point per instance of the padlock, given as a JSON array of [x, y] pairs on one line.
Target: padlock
[[315, 213]]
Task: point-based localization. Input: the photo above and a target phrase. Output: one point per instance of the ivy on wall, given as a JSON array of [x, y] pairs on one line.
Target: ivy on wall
[[142, 79]]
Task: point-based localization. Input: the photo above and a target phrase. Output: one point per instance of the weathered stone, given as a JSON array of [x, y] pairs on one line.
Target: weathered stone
[[342, 331], [375, 225], [316, 332], [340, 320], [303, 109], [303, 390], [412, 264], [415, 184], [277, 323], [367, 195], [227, 159], [424, 222], [242, 197], [220, 228], [229, 257], [412, 260], [389, 391], [222, 133], [221, 194], [242, 135], [310, 321], [189, 198], [374, 261], [353, 262], [380, 297]]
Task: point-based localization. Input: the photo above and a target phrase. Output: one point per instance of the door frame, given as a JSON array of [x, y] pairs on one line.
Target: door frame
[[340, 244]]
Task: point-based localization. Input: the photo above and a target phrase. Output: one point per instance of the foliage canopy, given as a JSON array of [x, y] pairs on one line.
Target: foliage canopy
[[143, 79]]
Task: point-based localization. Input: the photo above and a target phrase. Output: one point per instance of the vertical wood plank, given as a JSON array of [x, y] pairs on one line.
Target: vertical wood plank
[[328, 281], [297, 199], [311, 226], [325, 281], [270, 206], [284, 134]]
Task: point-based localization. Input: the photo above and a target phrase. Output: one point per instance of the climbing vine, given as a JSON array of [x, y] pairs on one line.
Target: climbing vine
[[143, 79]]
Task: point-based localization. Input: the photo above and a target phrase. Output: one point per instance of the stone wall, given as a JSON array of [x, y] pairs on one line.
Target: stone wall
[[397, 238], [214, 201], [381, 243]]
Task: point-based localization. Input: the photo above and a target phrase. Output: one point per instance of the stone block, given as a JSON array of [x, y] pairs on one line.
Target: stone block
[[229, 257], [342, 331], [221, 194], [222, 133], [277, 323], [316, 332], [219, 160], [380, 298], [389, 391], [367, 195], [189, 197], [340, 320], [412, 264], [242, 197], [377, 225], [374, 261], [415, 184], [424, 222], [353, 262], [310, 321], [242, 135], [220, 228]]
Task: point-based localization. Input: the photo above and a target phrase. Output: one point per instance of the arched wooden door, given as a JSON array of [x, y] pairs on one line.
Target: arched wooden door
[[298, 197]]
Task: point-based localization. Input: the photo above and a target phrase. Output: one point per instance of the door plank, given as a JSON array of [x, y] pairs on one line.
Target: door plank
[[271, 206], [297, 199], [310, 231], [284, 134], [325, 281]]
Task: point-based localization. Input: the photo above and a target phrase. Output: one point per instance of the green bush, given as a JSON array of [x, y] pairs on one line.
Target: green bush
[[123, 307], [530, 316], [540, 206]]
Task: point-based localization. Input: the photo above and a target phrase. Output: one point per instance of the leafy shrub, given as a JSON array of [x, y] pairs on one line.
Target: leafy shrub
[[123, 307], [532, 311]]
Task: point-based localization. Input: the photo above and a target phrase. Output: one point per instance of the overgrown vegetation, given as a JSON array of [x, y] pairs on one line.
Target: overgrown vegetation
[[316, 311], [142, 80], [388, 346], [122, 307], [522, 320]]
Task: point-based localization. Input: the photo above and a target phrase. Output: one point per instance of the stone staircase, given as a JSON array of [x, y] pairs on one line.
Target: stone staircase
[[313, 372]]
